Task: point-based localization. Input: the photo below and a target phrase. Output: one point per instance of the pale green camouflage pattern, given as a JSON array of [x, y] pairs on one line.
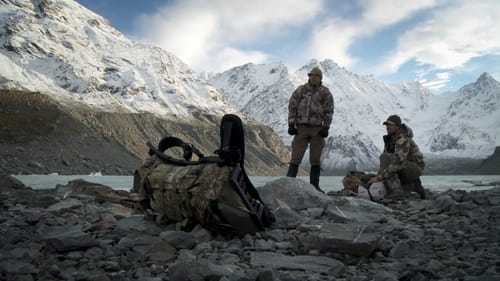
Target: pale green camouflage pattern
[[311, 106], [393, 183], [181, 193], [351, 182], [390, 166], [388, 171], [354, 179], [407, 155], [140, 174], [186, 193]]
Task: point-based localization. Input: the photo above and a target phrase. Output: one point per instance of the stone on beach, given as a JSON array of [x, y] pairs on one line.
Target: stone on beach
[[86, 231]]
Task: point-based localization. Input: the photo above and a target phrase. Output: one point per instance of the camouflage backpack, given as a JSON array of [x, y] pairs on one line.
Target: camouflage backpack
[[357, 182], [213, 191], [354, 179]]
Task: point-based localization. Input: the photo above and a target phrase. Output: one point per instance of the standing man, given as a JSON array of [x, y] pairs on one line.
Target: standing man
[[401, 163], [310, 112]]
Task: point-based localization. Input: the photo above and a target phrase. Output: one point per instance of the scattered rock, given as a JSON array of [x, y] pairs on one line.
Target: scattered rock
[[87, 231], [8, 183]]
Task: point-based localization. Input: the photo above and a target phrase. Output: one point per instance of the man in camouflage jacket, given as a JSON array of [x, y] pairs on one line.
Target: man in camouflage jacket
[[310, 112], [401, 163]]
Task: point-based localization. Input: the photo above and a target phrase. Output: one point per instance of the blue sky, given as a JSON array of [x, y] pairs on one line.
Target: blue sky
[[444, 44]]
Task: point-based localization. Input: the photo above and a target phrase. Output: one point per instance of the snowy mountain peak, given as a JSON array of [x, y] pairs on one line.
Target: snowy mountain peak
[[485, 76], [485, 90], [486, 81], [328, 66], [61, 48], [469, 126]]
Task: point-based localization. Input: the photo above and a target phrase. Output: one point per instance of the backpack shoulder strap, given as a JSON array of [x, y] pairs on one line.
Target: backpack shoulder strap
[[187, 148], [232, 148], [232, 153]]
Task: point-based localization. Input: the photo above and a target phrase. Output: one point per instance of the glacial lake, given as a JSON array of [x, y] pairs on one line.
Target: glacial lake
[[327, 183]]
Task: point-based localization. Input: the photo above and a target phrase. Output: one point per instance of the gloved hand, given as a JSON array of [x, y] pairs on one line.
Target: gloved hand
[[324, 132], [292, 130]]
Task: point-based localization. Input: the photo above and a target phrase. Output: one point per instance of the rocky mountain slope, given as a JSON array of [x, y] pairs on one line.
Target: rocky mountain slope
[[490, 165], [41, 136]]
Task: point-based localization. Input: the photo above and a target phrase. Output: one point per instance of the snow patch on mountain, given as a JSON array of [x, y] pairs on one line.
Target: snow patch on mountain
[[471, 122], [61, 48]]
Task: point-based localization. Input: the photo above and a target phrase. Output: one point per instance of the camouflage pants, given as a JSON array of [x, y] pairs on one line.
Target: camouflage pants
[[307, 135], [406, 175]]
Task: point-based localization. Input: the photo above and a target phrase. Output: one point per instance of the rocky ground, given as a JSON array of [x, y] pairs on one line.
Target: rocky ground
[[85, 231]]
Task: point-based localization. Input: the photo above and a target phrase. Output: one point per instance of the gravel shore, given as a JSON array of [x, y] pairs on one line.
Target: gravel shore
[[86, 231]]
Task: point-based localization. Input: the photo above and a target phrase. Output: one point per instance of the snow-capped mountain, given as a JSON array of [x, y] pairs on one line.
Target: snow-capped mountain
[[464, 124], [471, 123], [60, 47], [259, 91]]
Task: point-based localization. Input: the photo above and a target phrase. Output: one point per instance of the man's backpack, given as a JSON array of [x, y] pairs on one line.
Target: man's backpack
[[354, 179], [357, 182], [213, 191]]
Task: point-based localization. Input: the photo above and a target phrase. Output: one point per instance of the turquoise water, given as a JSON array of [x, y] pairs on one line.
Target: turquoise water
[[436, 183]]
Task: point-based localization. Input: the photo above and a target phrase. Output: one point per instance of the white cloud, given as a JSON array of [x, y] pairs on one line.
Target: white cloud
[[332, 40], [440, 80], [216, 35], [453, 35], [496, 75], [333, 37], [380, 13], [210, 35], [230, 57]]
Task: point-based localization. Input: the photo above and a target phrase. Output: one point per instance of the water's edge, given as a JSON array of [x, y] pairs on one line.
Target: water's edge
[[330, 183]]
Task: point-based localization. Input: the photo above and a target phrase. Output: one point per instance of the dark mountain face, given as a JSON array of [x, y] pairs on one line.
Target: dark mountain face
[[491, 165], [40, 136]]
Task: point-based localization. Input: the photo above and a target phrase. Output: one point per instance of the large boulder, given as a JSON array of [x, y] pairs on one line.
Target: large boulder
[[295, 193], [9, 183]]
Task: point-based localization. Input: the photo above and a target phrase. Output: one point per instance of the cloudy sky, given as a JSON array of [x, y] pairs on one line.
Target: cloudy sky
[[444, 44]]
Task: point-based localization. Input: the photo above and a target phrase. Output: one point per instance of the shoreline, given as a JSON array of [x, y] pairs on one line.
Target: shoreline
[[331, 183]]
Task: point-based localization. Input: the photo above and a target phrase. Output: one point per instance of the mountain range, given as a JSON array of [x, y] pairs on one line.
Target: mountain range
[[461, 124], [74, 55]]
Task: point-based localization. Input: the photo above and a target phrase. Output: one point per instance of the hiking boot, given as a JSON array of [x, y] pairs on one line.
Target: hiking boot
[[314, 177], [396, 194], [343, 192], [319, 189], [419, 188], [292, 170]]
